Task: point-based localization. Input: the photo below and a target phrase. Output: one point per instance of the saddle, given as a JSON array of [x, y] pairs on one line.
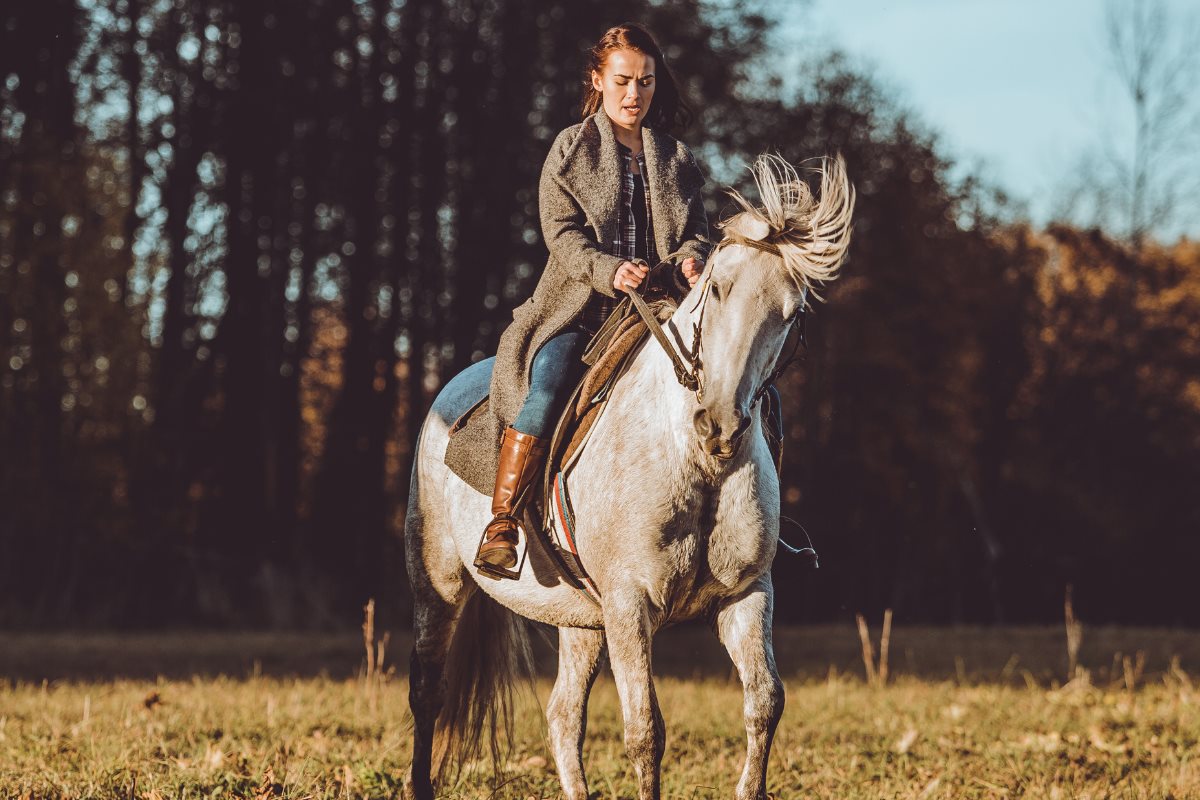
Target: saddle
[[473, 450], [606, 353]]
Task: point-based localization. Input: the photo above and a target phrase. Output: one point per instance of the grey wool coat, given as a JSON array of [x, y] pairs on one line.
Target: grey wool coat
[[579, 196]]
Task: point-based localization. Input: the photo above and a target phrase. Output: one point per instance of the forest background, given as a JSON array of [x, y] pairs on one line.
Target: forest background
[[243, 244]]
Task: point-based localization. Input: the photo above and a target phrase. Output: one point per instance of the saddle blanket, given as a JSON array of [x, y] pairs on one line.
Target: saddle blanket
[[560, 524]]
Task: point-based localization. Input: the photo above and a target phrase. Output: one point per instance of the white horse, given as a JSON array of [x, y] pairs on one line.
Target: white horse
[[676, 502]]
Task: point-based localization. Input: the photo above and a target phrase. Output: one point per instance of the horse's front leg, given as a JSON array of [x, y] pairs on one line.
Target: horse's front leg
[[744, 626], [579, 652], [628, 631]]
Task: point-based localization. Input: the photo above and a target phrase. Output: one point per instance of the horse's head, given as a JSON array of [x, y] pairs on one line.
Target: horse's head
[[756, 284]]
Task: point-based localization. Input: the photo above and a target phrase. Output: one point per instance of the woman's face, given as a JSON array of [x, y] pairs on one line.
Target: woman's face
[[627, 85]]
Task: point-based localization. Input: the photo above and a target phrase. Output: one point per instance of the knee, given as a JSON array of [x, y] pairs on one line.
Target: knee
[[539, 394], [765, 702], [776, 699], [646, 732], [645, 739], [550, 358], [547, 374]]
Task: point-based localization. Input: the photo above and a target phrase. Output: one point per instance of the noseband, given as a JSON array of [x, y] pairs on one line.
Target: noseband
[[689, 366]]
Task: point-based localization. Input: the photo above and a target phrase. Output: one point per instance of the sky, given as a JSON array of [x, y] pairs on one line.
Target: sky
[[1016, 87]]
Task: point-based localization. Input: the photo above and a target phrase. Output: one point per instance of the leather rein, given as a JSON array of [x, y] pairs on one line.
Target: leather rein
[[689, 365], [688, 374]]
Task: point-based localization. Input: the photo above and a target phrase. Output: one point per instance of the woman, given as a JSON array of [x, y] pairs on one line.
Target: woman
[[615, 187]]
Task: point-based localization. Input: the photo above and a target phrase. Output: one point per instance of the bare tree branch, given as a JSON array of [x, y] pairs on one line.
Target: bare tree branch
[[1143, 174]]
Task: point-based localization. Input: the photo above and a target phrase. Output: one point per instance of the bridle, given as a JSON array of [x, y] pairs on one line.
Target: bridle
[[687, 361], [688, 374]]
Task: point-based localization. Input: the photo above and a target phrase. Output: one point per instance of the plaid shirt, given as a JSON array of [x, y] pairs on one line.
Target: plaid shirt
[[633, 234]]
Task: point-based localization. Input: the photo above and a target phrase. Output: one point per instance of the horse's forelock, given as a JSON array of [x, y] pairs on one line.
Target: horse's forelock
[[812, 233]]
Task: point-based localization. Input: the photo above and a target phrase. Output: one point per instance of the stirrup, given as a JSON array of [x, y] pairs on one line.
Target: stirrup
[[520, 549]]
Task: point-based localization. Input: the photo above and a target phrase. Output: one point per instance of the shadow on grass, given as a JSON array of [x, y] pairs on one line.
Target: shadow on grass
[[969, 654]]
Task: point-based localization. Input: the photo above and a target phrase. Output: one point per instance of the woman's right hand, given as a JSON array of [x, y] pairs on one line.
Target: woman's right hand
[[629, 276]]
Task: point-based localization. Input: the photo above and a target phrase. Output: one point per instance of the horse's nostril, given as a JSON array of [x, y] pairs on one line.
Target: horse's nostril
[[721, 448], [703, 424]]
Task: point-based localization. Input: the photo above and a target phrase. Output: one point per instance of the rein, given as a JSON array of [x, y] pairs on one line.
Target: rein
[[688, 377], [688, 374], [689, 366]]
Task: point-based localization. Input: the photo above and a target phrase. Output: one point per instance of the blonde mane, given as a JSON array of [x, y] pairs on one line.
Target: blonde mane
[[812, 234]]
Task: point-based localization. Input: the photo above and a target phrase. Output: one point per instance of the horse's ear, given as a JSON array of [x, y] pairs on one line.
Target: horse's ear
[[748, 226]]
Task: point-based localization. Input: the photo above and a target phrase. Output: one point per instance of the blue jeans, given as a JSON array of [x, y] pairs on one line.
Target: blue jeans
[[556, 370]]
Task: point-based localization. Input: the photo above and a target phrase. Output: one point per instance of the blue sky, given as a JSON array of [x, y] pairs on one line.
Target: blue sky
[[1017, 86]]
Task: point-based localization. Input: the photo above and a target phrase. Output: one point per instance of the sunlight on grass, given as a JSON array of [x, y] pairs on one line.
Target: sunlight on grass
[[321, 738]]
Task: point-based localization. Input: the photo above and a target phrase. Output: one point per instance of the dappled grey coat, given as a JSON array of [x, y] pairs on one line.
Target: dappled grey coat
[[579, 197]]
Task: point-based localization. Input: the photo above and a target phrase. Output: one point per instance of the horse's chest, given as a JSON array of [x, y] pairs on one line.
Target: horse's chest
[[709, 565], [685, 545]]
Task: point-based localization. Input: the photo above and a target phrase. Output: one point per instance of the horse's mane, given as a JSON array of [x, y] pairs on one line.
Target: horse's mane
[[812, 233]]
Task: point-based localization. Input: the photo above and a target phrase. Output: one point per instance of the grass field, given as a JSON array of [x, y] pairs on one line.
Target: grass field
[[267, 716]]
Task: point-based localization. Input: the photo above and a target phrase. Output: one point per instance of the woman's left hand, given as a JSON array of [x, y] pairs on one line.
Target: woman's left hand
[[691, 269]]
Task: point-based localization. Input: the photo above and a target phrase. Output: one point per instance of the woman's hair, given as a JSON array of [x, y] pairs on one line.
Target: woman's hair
[[667, 111]]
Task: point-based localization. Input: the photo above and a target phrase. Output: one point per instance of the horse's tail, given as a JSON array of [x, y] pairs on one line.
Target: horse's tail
[[488, 654]]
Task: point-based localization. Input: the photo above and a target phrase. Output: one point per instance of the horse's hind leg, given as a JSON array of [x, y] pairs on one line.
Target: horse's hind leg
[[744, 625], [437, 579], [433, 628], [579, 653]]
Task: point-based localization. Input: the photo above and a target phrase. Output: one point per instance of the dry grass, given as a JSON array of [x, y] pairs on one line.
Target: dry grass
[[970, 713], [1128, 735], [269, 737]]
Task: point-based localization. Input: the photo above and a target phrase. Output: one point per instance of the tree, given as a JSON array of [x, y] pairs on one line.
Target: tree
[[1144, 173]]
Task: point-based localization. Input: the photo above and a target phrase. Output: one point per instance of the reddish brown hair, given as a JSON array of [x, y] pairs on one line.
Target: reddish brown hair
[[668, 111]]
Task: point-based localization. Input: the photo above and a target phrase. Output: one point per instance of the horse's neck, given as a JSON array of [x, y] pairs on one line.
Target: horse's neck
[[653, 406]]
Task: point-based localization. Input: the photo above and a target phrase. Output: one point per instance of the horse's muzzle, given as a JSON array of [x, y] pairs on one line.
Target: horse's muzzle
[[711, 433]]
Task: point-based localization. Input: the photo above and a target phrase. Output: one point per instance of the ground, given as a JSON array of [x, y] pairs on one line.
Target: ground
[[973, 722]]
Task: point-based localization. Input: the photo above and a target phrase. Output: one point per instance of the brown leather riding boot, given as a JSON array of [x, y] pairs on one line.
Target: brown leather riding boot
[[521, 458]]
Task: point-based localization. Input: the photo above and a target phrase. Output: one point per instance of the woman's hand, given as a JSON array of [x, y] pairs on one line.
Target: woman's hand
[[629, 276], [691, 269]]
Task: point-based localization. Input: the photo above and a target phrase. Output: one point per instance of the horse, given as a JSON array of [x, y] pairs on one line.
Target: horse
[[676, 500]]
